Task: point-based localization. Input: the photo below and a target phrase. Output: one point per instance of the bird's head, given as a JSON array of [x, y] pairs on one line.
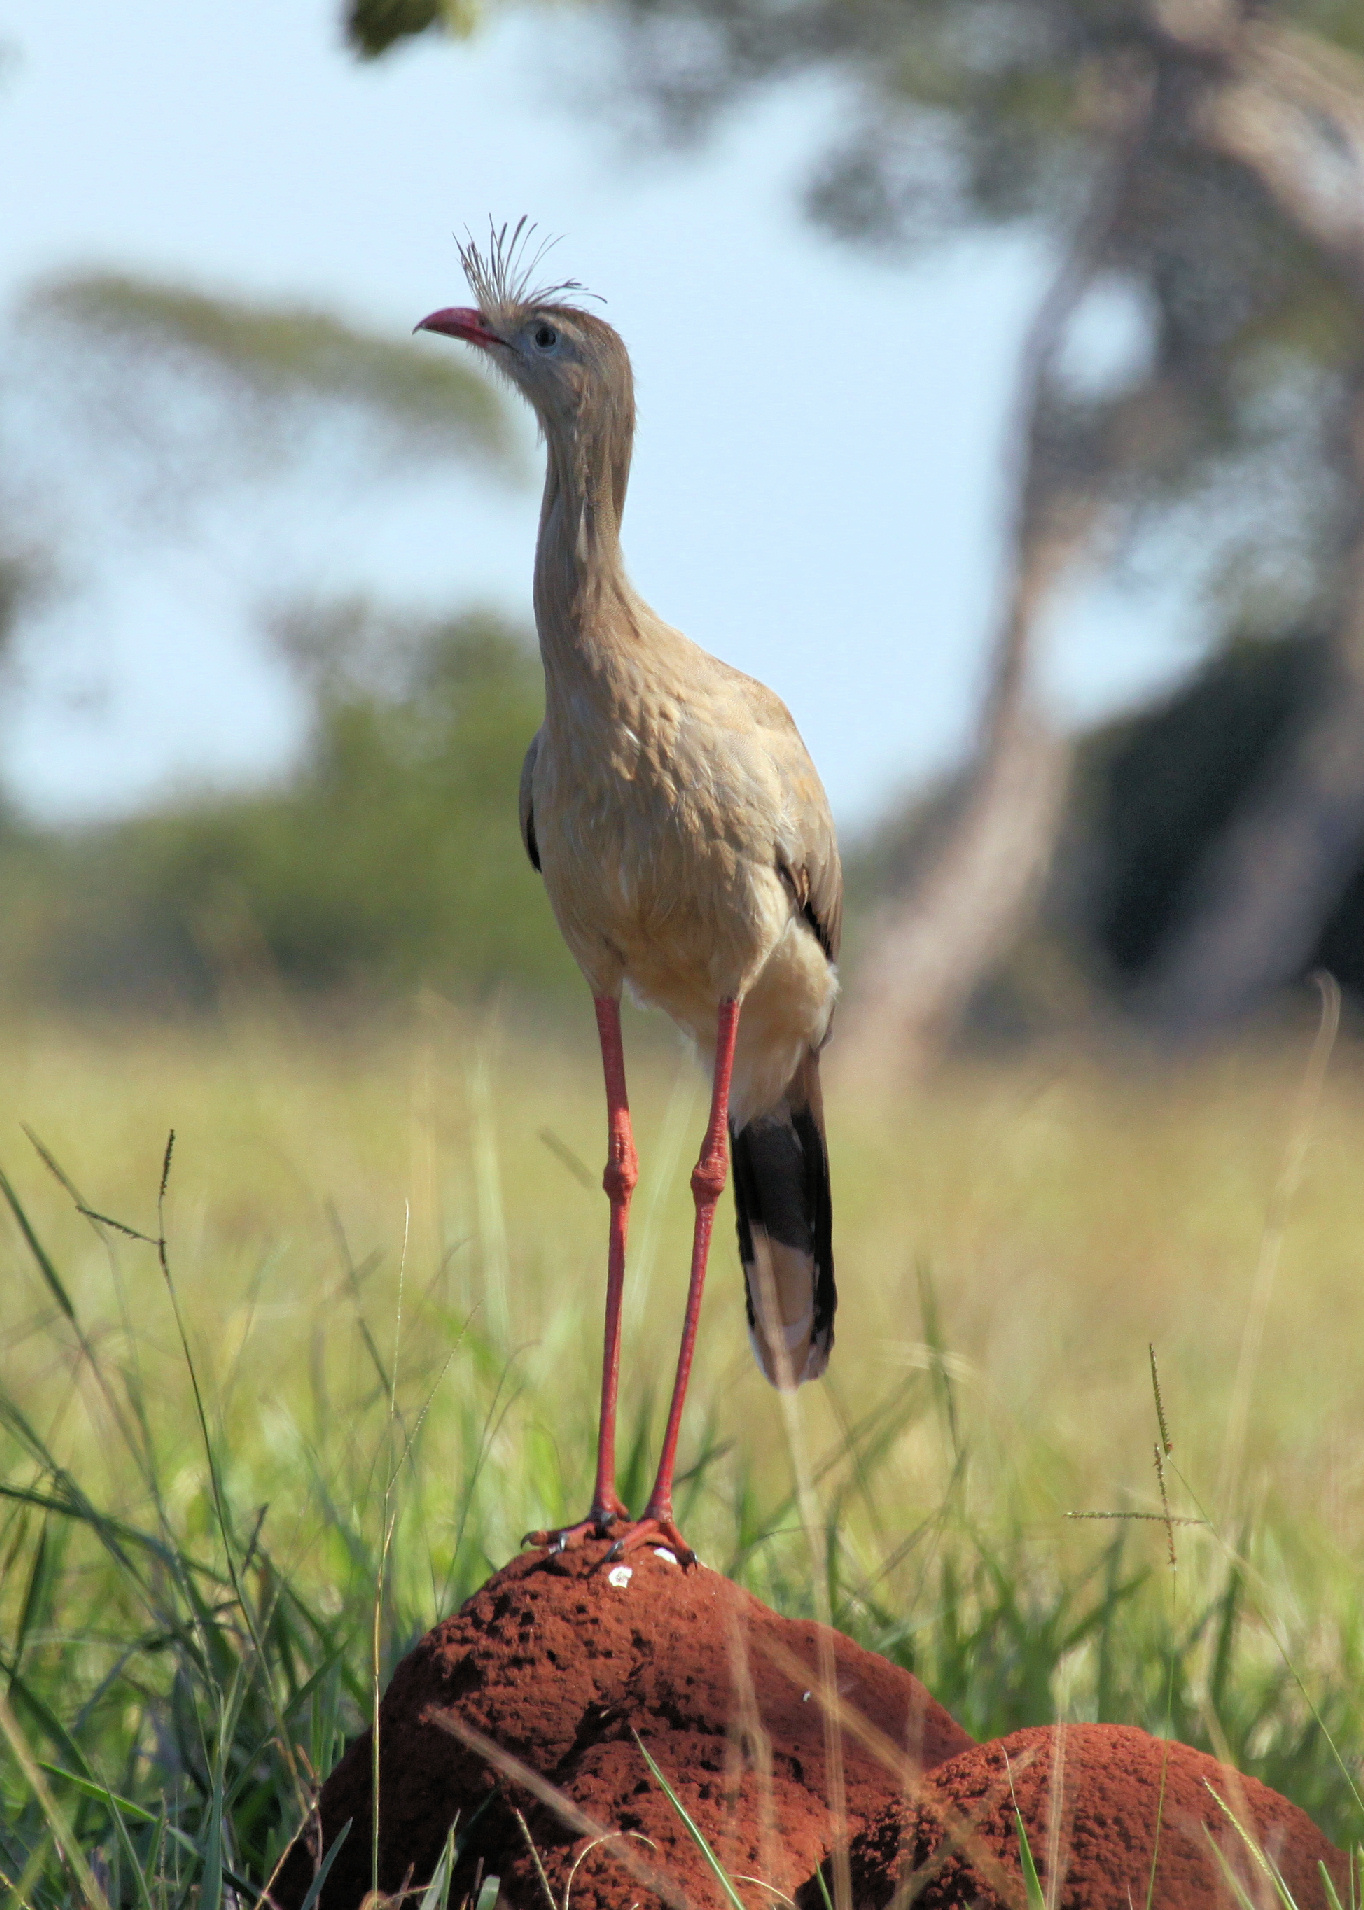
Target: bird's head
[[570, 364]]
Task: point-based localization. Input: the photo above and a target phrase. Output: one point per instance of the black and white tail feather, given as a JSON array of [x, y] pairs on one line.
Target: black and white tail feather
[[785, 1220]]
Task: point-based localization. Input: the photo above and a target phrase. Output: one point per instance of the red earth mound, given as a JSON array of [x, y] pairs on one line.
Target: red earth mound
[[1091, 1797], [561, 1660]]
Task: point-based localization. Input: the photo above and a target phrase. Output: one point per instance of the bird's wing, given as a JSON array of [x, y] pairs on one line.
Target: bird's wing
[[527, 810], [807, 848], [814, 875]]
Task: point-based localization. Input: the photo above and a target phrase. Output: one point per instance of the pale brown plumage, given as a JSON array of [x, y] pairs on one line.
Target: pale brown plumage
[[683, 834]]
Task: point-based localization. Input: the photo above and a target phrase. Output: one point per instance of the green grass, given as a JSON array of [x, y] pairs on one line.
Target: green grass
[[248, 1458]]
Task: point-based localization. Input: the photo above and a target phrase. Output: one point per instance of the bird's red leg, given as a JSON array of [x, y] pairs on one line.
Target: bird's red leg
[[707, 1184], [622, 1171]]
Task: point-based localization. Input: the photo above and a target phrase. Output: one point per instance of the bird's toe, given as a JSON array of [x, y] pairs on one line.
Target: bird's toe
[[599, 1524], [658, 1530]]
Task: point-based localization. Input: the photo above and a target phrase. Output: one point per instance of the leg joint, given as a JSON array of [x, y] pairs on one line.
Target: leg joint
[[708, 1179], [621, 1175]]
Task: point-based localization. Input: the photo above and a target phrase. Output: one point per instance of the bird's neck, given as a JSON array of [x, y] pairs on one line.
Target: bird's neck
[[583, 598]]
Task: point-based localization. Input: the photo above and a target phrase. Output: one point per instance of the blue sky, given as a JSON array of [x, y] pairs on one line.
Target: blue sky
[[818, 489]]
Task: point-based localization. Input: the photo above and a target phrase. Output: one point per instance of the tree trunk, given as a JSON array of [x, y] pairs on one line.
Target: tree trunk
[[1282, 867], [928, 951]]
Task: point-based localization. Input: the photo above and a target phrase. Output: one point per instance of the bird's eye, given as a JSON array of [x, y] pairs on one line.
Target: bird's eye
[[546, 337]]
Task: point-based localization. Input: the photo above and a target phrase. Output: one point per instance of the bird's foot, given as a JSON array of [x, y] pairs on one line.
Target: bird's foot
[[600, 1523], [657, 1529]]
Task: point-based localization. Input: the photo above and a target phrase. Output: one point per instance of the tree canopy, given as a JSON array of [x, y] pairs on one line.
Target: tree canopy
[[389, 857], [390, 853], [1220, 437], [1200, 163], [148, 328]]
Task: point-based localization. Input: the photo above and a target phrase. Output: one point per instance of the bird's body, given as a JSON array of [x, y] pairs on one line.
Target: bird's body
[[670, 799], [665, 804], [687, 849]]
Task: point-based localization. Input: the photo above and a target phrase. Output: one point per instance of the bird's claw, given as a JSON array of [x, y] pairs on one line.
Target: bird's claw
[[597, 1525], [657, 1529]]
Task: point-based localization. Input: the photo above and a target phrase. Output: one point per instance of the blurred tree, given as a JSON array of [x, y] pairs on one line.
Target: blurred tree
[[174, 392], [1157, 791], [392, 854], [18, 581], [1153, 796], [373, 26], [391, 857], [23, 580], [280, 352], [1201, 165]]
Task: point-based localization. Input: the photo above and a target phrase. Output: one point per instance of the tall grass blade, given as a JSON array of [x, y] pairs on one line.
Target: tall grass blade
[[541, 1876], [37, 1249], [315, 1887], [1160, 1819], [1258, 1857], [436, 1895], [211, 1879], [691, 1827], [100, 1793], [1240, 1897], [1332, 1894], [117, 1807], [1032, 1885], [937, 1346], [60, 1830]]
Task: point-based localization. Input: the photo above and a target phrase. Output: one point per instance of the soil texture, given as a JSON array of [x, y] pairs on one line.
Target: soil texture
[[569, 1666], [1099, 1803]]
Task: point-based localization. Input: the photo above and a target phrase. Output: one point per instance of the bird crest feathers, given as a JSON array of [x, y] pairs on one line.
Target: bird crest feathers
[[502, 275]]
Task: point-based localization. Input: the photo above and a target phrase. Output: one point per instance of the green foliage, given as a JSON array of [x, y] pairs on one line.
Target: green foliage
[[18, 584], [190, 1600], [973, 112], [1036, 1898], [1229, 421], [1154, 791], [373, 26], [193, 1568], [432, 398], [391, 857], [228, 1691], [1151, 798]]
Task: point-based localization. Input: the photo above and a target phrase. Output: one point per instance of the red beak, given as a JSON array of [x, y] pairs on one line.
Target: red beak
[[460, 321]]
